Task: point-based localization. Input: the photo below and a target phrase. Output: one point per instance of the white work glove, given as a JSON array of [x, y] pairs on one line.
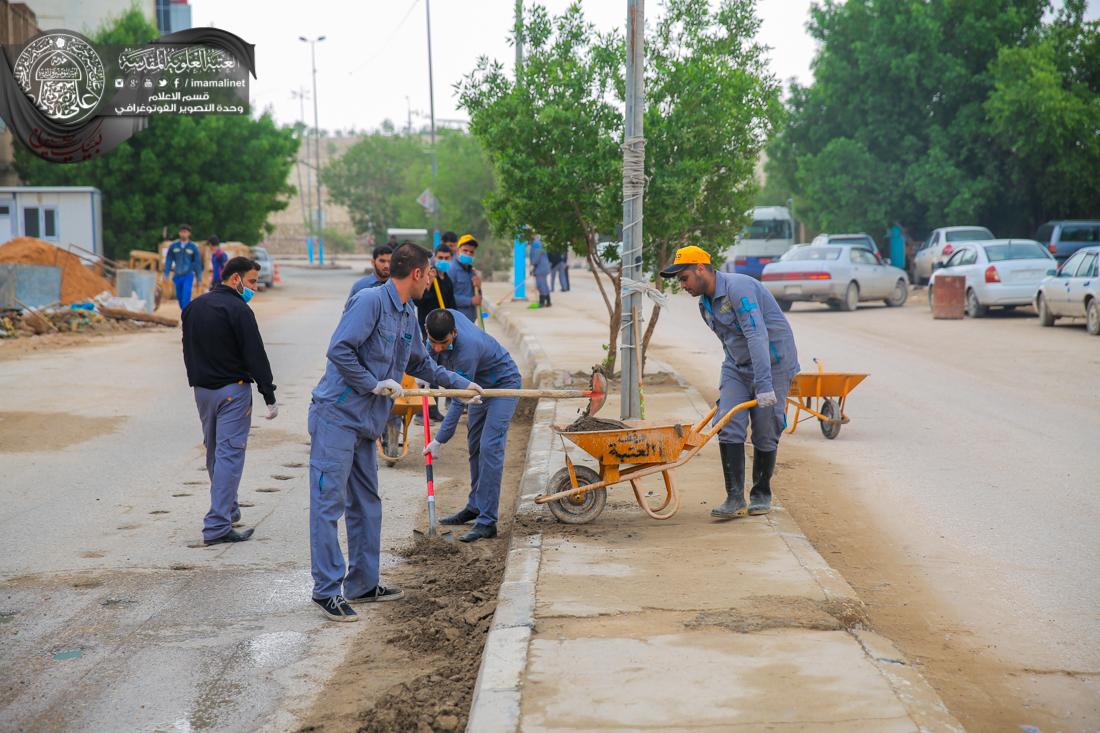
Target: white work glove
[[765, 399], [476, 399], [435, 448], [388, 388], [272, 411]]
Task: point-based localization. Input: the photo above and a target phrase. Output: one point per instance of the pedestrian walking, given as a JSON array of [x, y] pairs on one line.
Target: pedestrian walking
[[224, 354], [467, 282], [218, 258], [760, 362], [462, 347], [380, 260], [563, 272], [540, 268], [183, 263], [376, 341]]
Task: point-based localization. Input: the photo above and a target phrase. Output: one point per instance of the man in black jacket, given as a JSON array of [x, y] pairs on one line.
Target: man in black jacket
[[224, 355]]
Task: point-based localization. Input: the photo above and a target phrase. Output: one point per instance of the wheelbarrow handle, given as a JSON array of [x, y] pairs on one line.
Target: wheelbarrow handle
[[726, 418], [556, 394]]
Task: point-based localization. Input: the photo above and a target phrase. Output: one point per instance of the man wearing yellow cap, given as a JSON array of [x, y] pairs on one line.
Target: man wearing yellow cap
[[761, 360], [467, 283]]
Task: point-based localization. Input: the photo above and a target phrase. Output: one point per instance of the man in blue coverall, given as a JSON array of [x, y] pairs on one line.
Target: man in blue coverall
[[380, 259], [760, 363], [465, 279], [377, 339], [184, 259], [462, 347], [540, 268]]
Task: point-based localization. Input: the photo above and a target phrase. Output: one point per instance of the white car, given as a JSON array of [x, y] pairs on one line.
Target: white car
[[840, 275], [940, 245], [1074, 292], [860, 239], [1000, 272]]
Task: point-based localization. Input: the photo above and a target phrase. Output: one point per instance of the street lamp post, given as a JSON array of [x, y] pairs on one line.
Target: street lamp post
[[305, 195], [431, 107], [316, 147]]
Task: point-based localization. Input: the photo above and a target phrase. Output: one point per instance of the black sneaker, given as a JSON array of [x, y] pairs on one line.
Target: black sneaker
[[479, 532], [377, 594], [336, 608], [463, 517], [230, 536]]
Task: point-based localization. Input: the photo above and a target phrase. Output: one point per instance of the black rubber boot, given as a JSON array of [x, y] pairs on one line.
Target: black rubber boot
[[760, 496], [547, 300], [463, 517], [733, 470]]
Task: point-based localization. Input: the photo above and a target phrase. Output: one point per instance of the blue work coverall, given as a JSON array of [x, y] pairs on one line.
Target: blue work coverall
[[369, 281], [540, 268], [760, 356], [184, 258], [377, 338], [477, 356], [462, 276]]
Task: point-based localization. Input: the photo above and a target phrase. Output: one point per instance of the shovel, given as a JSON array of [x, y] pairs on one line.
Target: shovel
[[596, 392], [431, 534]]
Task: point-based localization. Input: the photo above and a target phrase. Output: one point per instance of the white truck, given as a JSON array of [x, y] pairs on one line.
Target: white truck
[[771, 233]]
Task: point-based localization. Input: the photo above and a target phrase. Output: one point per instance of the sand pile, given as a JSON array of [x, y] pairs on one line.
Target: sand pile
[[78, 281]]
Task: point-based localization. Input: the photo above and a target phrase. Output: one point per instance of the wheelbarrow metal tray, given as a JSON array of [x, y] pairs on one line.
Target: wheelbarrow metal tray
[[639, 442], [826, 384]]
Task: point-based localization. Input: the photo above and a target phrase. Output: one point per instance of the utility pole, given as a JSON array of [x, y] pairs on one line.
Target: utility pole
[[431, 106], [519, 243], [633, 191], [320, 224], [305, 191]]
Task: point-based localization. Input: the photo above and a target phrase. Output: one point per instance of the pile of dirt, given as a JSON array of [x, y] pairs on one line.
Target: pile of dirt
[[78, 281], [586, 423], [450, 599]]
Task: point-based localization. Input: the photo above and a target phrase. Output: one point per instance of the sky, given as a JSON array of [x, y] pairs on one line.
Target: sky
[[373, 64], [375, 51]]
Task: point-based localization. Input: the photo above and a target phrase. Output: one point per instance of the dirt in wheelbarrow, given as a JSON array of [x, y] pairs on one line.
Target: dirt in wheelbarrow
[[412, 664]]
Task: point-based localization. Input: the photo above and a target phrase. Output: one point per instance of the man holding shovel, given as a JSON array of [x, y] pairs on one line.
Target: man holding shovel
[[376, 340], [467, 283], [760, 363], [457, 344]]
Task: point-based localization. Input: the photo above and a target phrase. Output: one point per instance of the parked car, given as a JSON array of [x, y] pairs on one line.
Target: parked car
[[267, 266], [940, 245], [840, 275], [1073, 292], [860, 239], [999, 272], [1063, 238]]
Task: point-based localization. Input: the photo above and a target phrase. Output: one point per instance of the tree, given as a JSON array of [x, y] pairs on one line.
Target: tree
[[223, 174], [553, 138], [923, 110], [710, 106]]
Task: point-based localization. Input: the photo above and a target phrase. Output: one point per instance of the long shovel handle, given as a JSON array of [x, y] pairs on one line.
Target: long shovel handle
[[557, 394], [428, 467]]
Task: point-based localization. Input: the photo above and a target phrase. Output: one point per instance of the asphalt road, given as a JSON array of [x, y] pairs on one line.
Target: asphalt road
[[970, 465], [113, 616]]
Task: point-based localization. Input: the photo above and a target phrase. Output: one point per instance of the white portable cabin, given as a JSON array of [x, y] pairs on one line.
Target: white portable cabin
[[63, 215]]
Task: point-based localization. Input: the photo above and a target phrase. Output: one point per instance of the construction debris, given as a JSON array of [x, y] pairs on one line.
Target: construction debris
[[78, 280], [78, 318]]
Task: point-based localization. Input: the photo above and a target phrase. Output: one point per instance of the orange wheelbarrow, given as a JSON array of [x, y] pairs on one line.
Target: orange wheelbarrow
[[577, 494], [396, 443], [822, 396]]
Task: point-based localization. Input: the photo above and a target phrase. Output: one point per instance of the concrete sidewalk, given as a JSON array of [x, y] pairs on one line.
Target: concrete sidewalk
[[628, 623]]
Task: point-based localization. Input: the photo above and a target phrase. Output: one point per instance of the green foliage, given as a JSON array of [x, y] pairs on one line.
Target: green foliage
[[937, 112], [338, 241], [380, 177], [222, 174]]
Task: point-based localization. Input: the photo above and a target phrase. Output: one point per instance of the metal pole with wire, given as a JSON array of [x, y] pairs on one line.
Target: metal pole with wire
[[320, 224], [431, 107], [305, 195], [633, 192]]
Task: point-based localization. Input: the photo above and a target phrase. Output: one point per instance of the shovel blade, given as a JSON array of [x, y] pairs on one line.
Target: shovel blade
[[598, 389]]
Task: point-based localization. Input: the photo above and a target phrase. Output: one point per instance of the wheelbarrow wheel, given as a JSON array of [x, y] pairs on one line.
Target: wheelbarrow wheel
[[830, 428], [578, 509]]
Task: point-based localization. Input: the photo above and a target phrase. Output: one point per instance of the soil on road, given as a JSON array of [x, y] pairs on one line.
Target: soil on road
[[960, 501]]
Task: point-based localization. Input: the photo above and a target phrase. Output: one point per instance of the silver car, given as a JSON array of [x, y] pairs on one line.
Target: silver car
[[840, 275], [267, 266], [940, 245], [1074, 292]]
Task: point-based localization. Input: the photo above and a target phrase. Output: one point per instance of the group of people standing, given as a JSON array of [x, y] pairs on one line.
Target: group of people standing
[[183, 264]]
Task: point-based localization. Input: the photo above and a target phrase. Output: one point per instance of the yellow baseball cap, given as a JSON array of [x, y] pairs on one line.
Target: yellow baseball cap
[[686, 257], [466, 239]]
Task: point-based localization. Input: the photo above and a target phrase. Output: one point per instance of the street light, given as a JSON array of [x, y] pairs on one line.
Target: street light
[[316, 146]]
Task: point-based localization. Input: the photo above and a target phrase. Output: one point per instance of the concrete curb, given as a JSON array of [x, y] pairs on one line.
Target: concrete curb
[[496, 699], [495, 707]]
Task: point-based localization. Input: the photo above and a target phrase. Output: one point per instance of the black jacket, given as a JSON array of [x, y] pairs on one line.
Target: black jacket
[[430, 301], [222, 344]]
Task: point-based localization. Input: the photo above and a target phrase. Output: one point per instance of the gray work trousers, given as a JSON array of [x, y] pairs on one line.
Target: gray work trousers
[[226, 415]]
